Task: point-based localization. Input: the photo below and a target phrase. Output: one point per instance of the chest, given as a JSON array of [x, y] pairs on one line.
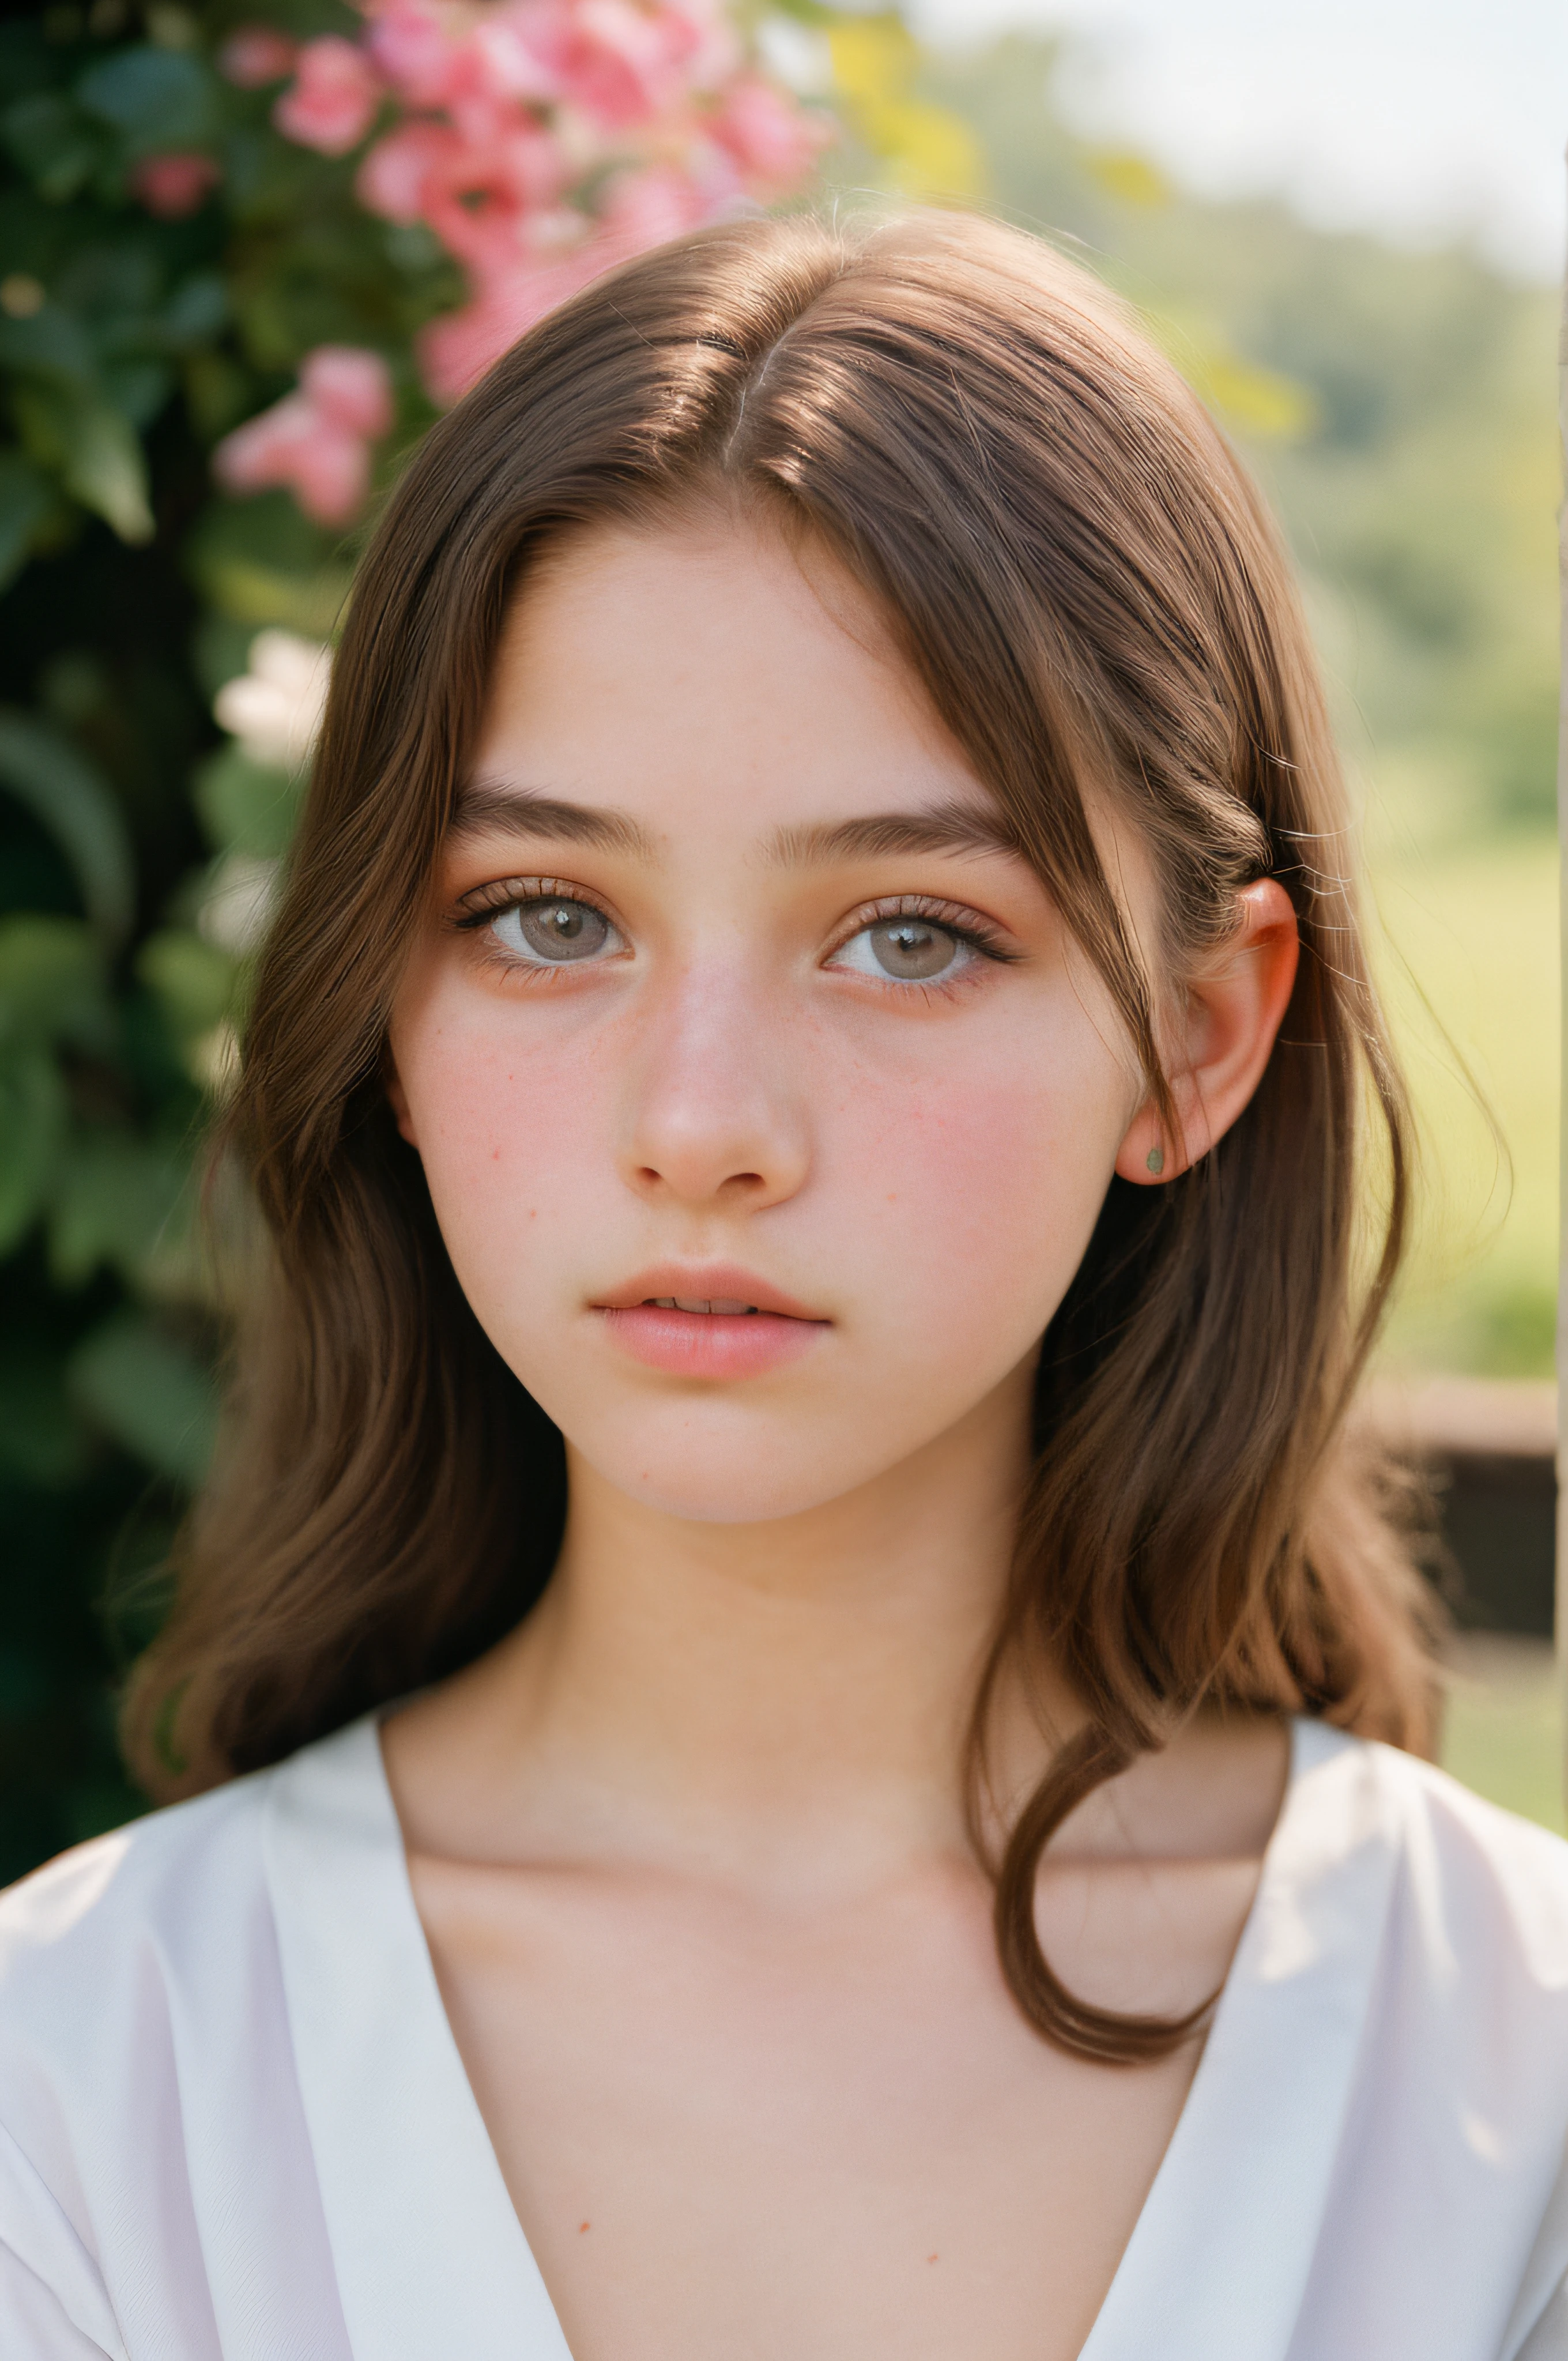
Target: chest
[[733, 2136]]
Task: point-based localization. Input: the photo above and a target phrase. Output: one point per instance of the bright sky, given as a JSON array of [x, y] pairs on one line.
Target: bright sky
[[1417, 118]]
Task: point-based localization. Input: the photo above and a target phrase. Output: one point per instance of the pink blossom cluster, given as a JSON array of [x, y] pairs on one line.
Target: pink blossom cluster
[[174, 184], [540, 140], [317, 440]]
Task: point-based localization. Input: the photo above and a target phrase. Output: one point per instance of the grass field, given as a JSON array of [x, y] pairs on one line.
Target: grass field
[[1470, 970], [1503, 1733]]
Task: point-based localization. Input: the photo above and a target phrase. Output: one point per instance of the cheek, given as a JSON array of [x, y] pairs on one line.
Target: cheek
[[512, 1127], [972, 1193]]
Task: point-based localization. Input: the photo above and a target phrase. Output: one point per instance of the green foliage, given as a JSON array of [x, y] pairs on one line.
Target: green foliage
[[151, 1392], [68, 795], [132, 831]]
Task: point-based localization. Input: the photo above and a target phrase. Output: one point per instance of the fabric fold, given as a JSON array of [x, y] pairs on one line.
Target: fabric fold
[[429, 2256]]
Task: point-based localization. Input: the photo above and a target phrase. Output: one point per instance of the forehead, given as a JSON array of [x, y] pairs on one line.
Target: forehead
[[714, 674]]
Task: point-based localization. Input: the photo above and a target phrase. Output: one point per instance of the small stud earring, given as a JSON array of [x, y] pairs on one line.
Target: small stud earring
[[1155, 1159]]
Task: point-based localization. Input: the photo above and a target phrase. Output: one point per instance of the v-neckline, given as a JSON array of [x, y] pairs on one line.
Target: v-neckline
[[431, 2255]]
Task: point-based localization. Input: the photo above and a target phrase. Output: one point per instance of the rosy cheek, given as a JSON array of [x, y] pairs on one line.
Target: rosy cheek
[[981, 1188], [506, 1118]]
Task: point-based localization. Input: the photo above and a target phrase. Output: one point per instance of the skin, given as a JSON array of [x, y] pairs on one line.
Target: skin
[[690, 1847]]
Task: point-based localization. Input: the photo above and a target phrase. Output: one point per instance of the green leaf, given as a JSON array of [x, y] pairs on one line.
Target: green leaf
[[246, 807], [40, 1439], [261, 561], [98, 452], [157, 98], [192, 981], [220, 650], [218, 393], [50, 343], [197, 311], [138, 389], [51, 981], [53, 146], [150, 1393], [311, 605], [24, 61], [32, 1126], [70, 797], [25, 499], [115, 1201]]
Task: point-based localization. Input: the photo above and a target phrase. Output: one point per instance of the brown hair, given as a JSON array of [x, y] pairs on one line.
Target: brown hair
[[1079, 572]]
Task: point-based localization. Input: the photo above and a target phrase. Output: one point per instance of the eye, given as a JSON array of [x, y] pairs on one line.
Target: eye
[[909, 951], [553, 930]]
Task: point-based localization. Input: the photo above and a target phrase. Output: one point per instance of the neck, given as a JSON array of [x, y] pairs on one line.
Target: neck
[[790, 1696]]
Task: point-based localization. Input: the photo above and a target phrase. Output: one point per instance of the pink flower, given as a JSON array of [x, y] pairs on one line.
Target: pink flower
[[775, 140], [333, 97], [414, 52], [642, 209], [456, 350], [476, 194], [315, 442], [351, 389], [174, 184], [255, 55], [544, 141], [512, 51], [616, 63], [401, 165], [645, 208]]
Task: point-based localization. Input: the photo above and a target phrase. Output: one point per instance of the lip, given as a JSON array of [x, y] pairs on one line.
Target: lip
[[715, 1345], [705, 1282]]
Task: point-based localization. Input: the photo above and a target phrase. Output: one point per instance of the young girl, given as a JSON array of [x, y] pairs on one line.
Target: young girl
[[786, 1657]]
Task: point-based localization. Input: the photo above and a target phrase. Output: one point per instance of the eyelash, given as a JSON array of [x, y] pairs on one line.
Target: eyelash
[[965, 926], [479, 908], [485, 903]]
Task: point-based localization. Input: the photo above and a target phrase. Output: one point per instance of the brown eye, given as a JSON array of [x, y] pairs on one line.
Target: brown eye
[[554, 932], [907, 950]]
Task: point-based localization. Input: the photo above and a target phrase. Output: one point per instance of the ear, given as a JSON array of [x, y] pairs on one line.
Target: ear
[[1231, 1010], [397, 1097]]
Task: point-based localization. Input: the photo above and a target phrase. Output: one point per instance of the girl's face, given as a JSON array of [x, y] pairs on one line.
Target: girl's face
[[765, 1103]]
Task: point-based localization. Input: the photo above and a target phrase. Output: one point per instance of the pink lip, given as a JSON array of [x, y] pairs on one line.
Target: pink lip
[[709, 1345]]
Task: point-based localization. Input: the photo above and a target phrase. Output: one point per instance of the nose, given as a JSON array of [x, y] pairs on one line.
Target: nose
[[716, 1115]]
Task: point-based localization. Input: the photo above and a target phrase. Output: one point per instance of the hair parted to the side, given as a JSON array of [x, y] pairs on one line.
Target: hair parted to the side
[[1081, 574]]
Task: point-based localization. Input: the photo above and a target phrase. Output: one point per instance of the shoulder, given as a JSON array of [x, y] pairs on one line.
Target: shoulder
[[89, 1913], [151, 2124], [128, 1965], [1495, 1884], [1469, 1902], [170, 1917], [1441, 1923]]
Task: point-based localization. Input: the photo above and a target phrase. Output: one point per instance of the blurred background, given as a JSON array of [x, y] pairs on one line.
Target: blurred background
[[247, 255]]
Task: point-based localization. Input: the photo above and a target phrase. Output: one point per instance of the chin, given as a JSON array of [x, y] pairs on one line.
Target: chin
[[729, 1480]]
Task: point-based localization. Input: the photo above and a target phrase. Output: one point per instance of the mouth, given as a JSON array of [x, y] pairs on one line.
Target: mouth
[[725, 1308], [708, 1290], [717, 1324]]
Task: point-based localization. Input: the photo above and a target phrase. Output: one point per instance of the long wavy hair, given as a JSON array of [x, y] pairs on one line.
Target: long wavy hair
[[1079, 572]]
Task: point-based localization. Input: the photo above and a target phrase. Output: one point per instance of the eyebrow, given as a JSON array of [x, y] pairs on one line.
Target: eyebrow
[[484, 805], [945, 828]]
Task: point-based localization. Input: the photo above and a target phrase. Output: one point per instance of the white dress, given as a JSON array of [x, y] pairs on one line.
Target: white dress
[[233, 2122]]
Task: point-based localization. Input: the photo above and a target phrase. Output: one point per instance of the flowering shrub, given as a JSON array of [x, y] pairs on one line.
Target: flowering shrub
[[539, 141], [317, 441]]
